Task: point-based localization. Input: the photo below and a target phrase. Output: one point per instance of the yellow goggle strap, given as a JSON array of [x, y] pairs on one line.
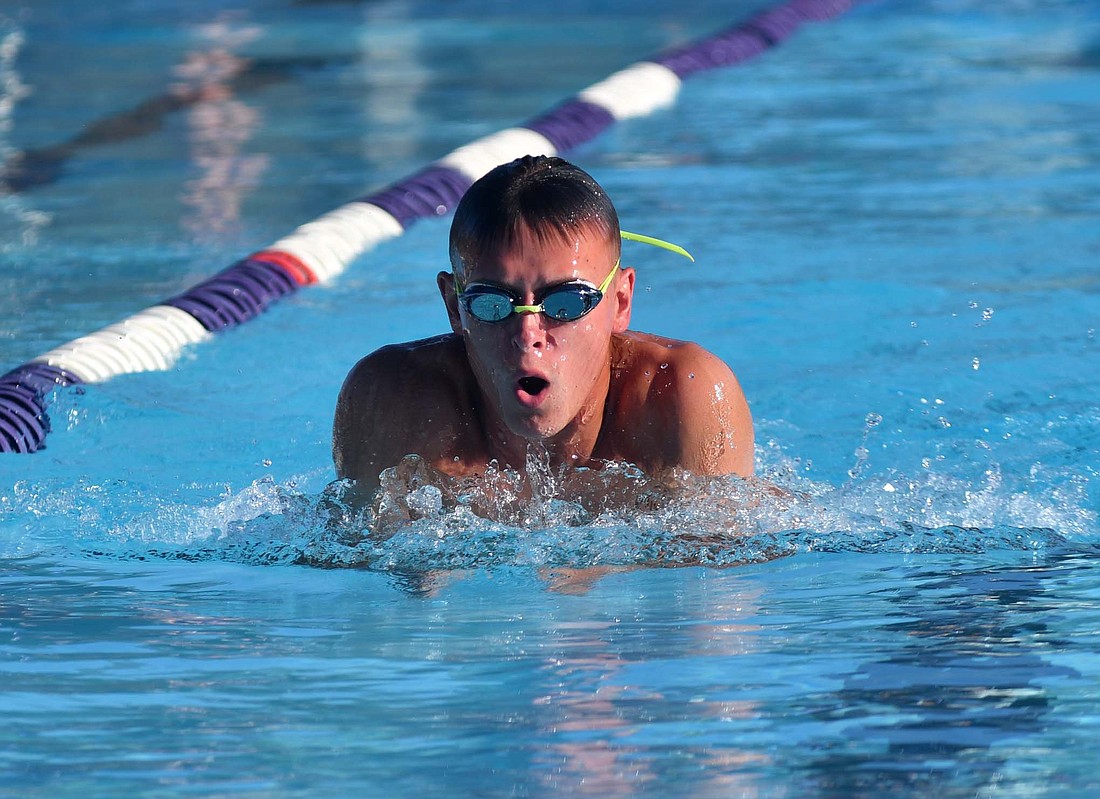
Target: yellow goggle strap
[[664, 245], [627, 236]]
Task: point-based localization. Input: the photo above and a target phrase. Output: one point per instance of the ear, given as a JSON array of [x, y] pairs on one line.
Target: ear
[[623, 296], [446, 283]]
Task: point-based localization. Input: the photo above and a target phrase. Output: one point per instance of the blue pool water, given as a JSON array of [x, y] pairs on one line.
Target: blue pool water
[[894, 221]]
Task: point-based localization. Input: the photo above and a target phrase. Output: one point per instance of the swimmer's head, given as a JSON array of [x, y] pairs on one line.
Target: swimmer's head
[[545, 196]]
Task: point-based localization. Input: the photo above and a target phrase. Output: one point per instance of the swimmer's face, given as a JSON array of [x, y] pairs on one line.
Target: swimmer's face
[[544, 378]]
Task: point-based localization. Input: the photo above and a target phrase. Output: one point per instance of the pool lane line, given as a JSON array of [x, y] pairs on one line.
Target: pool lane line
[[320, 250]]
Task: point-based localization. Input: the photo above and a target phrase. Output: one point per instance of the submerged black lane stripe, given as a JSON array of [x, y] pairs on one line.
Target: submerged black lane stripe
[[46, 165]]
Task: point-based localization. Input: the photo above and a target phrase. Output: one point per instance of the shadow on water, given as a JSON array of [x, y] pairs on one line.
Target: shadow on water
[[939, 716]]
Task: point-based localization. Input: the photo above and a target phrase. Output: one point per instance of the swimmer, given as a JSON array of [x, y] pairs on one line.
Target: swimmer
[[540, 354]]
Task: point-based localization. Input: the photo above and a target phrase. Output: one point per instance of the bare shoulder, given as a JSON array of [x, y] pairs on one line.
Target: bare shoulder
[[401, 399], [408, 359], [687, 401], [682, 369], [389, 372]]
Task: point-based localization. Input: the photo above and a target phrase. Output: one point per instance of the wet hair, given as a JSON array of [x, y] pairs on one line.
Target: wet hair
[[547, 196]]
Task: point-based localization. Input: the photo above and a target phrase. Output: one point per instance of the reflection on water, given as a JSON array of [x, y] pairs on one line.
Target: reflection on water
[[13, 209], [967, 682], [589, 752], [219, 125], [614, 714]]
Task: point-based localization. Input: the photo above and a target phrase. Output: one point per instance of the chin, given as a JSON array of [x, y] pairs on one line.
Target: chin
[[534, 428]]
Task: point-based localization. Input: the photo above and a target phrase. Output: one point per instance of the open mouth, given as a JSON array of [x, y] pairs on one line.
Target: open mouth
[[533, 386]]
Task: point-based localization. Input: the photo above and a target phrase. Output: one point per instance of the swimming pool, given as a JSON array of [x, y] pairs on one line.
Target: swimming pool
[[893, 216]]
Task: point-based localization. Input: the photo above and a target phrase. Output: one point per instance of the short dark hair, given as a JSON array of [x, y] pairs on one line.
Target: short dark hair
[[544, 194]]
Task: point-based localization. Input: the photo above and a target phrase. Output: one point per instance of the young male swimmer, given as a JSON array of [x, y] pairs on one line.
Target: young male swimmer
[[540, 353]]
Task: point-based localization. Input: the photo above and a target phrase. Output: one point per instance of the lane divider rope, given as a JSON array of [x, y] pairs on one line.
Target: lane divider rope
[[320, 250]]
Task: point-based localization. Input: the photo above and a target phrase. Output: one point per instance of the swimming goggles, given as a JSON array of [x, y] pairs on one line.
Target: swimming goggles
[[565, 302]]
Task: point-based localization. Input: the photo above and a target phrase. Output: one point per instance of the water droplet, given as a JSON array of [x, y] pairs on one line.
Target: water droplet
[[691, 375], [943, 422], [987, 314], [975, 364], [972, 304], [266, 461], [664, 366], [873, 419], [889, 488]]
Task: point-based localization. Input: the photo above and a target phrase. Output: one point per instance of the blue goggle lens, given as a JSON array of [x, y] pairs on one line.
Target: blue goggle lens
[[488, 306], [564, 304]]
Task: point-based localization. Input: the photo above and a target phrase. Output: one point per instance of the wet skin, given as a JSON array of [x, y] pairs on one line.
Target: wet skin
[[587, 391]]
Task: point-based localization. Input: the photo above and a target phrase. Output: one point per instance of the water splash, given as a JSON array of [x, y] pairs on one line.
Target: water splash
[[551, 517]]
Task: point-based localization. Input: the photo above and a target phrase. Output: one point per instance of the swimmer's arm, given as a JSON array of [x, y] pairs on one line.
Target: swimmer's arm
[[711, 415], [579, 581]]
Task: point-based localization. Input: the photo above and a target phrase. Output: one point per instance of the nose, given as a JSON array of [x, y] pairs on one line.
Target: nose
[[530, 333]]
